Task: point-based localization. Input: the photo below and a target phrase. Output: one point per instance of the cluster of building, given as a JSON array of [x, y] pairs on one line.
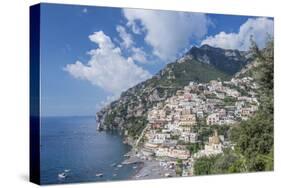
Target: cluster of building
[[171, 123]]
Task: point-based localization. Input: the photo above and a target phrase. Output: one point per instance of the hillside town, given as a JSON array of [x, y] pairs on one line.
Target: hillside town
[[173, 124]]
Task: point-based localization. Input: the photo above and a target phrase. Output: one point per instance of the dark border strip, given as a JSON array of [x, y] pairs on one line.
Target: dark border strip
[[34, 95]]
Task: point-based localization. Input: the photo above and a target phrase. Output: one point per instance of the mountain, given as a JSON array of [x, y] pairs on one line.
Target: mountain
[[128, 114], [225, 60]]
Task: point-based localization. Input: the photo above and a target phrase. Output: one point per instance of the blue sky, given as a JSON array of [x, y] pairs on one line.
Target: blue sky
[[89, 55]]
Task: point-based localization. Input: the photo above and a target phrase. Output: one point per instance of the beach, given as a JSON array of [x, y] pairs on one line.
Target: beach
[[148, 168], [152, 170]]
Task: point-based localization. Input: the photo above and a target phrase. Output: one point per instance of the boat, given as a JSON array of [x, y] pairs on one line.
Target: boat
[[99, 174], [134, 167], [67, 170], [119, 166], [62, 175]]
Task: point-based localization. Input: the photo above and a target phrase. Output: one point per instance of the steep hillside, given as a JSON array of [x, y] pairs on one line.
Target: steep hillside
[[128, 113]]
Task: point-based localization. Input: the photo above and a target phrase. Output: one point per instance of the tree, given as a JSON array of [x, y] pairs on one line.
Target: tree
[[204, 165], [254, 137], [193, 147], [229, 162], [179, 167]]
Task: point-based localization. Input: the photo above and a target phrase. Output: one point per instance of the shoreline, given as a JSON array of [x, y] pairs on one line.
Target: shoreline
[[147, 168]]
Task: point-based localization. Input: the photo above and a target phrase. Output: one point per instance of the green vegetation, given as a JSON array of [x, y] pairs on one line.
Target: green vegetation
[[229, 101], [254, 140], [194, 147], [254, 137], [254, 149], [218, 58], [179, 167], [197, 72], [229, 162], [136, 125], [204, 165]]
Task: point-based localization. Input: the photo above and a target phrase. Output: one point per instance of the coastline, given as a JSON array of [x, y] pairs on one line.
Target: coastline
[[147, 168]]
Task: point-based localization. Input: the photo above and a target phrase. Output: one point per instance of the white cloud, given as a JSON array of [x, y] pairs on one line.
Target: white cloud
[[167, 32], [134, 26], [107, 68], [139, 55], [127, 43], [127, 40], [259, 28]]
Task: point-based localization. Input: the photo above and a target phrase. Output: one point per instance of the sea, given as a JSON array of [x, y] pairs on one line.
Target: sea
[[72, 150]]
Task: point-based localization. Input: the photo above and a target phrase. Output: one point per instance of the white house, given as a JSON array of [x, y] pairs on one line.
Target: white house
[[212, 119]]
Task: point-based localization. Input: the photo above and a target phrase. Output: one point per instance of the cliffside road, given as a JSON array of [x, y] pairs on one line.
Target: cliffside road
[[141, 135]]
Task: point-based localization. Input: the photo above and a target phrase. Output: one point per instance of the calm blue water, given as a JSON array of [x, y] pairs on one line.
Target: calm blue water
[[73, 143]]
